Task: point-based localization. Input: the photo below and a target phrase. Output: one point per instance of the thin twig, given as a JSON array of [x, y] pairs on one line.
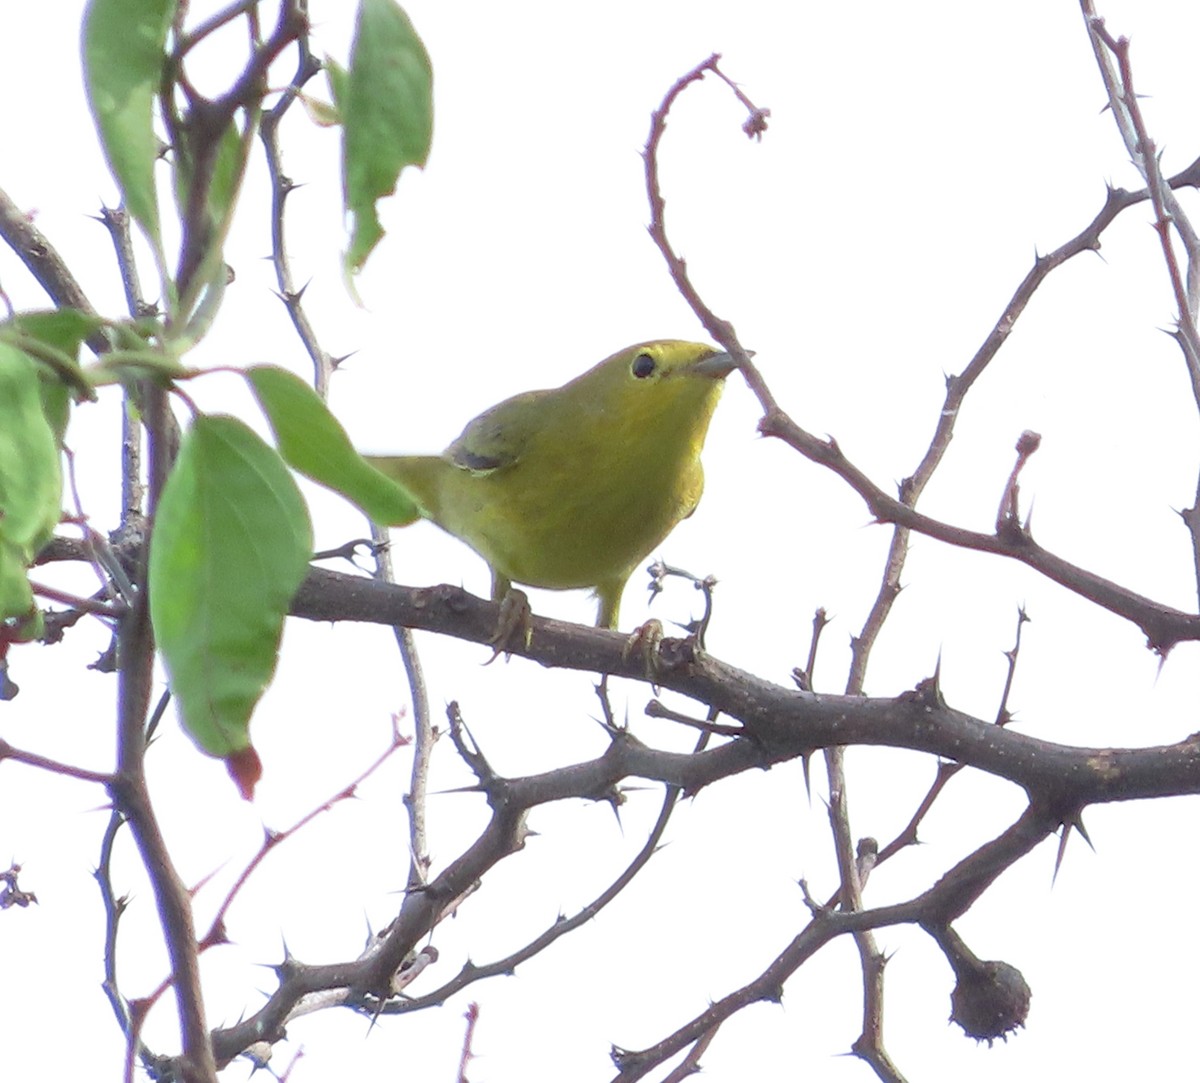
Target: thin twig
[[473, 972], [56, 767], [282, 186], [425, 735], [472, 1017], [1168, 213], [721, 330], [274, 839]]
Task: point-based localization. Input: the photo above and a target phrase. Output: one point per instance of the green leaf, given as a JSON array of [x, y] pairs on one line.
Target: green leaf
[[337, 78], [56, 405], [387, 113], [323, 114], [61, 331], [230, 547], [124, 44], [313, 442], [30, 478], [16, 596], [327, 114], [65, 329], [30, 472]]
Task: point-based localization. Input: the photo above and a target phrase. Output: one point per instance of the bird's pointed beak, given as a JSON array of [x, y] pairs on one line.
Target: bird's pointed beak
[[717, 366]]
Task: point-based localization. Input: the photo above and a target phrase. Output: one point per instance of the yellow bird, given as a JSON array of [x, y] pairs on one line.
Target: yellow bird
[[573, 487]]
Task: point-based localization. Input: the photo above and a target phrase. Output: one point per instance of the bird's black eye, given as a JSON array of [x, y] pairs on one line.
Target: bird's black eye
[[643, 366]]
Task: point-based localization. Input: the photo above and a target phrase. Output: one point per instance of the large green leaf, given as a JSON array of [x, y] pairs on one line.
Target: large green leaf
[[230, 547], [123, 57], [313, 442], [387, 113], [30, 478]]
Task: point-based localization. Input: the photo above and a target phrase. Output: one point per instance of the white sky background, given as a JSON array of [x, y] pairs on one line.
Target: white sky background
[[918, 156]]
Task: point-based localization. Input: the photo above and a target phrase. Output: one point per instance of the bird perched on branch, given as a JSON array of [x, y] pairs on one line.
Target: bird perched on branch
[[573, 487]]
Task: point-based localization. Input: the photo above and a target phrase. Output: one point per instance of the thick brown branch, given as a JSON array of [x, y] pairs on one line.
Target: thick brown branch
[[44, 263], [780, 723]]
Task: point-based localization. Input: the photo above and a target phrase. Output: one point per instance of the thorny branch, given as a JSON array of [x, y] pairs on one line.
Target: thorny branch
[[780, 724], [473, 972], [282, 186], [951, 896], [1116, 69], [324, 364]]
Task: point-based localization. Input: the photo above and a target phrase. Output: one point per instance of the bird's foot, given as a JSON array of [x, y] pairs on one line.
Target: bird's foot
[[645, 641], [515, 620]]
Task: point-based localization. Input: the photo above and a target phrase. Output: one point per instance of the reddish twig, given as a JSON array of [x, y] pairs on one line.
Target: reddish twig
[[472, 1017], [274, 839]]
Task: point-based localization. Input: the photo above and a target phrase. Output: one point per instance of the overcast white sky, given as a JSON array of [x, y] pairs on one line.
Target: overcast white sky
[[918, 156]]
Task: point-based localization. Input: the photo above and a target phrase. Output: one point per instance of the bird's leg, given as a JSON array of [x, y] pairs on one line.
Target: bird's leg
[[644, 640], [515, 617]]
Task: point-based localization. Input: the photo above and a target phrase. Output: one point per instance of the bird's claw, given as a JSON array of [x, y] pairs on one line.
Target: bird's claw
[[645, 641], [516, 618]]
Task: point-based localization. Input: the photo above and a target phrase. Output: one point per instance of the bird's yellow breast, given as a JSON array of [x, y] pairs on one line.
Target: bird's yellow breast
[[575, 514]]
